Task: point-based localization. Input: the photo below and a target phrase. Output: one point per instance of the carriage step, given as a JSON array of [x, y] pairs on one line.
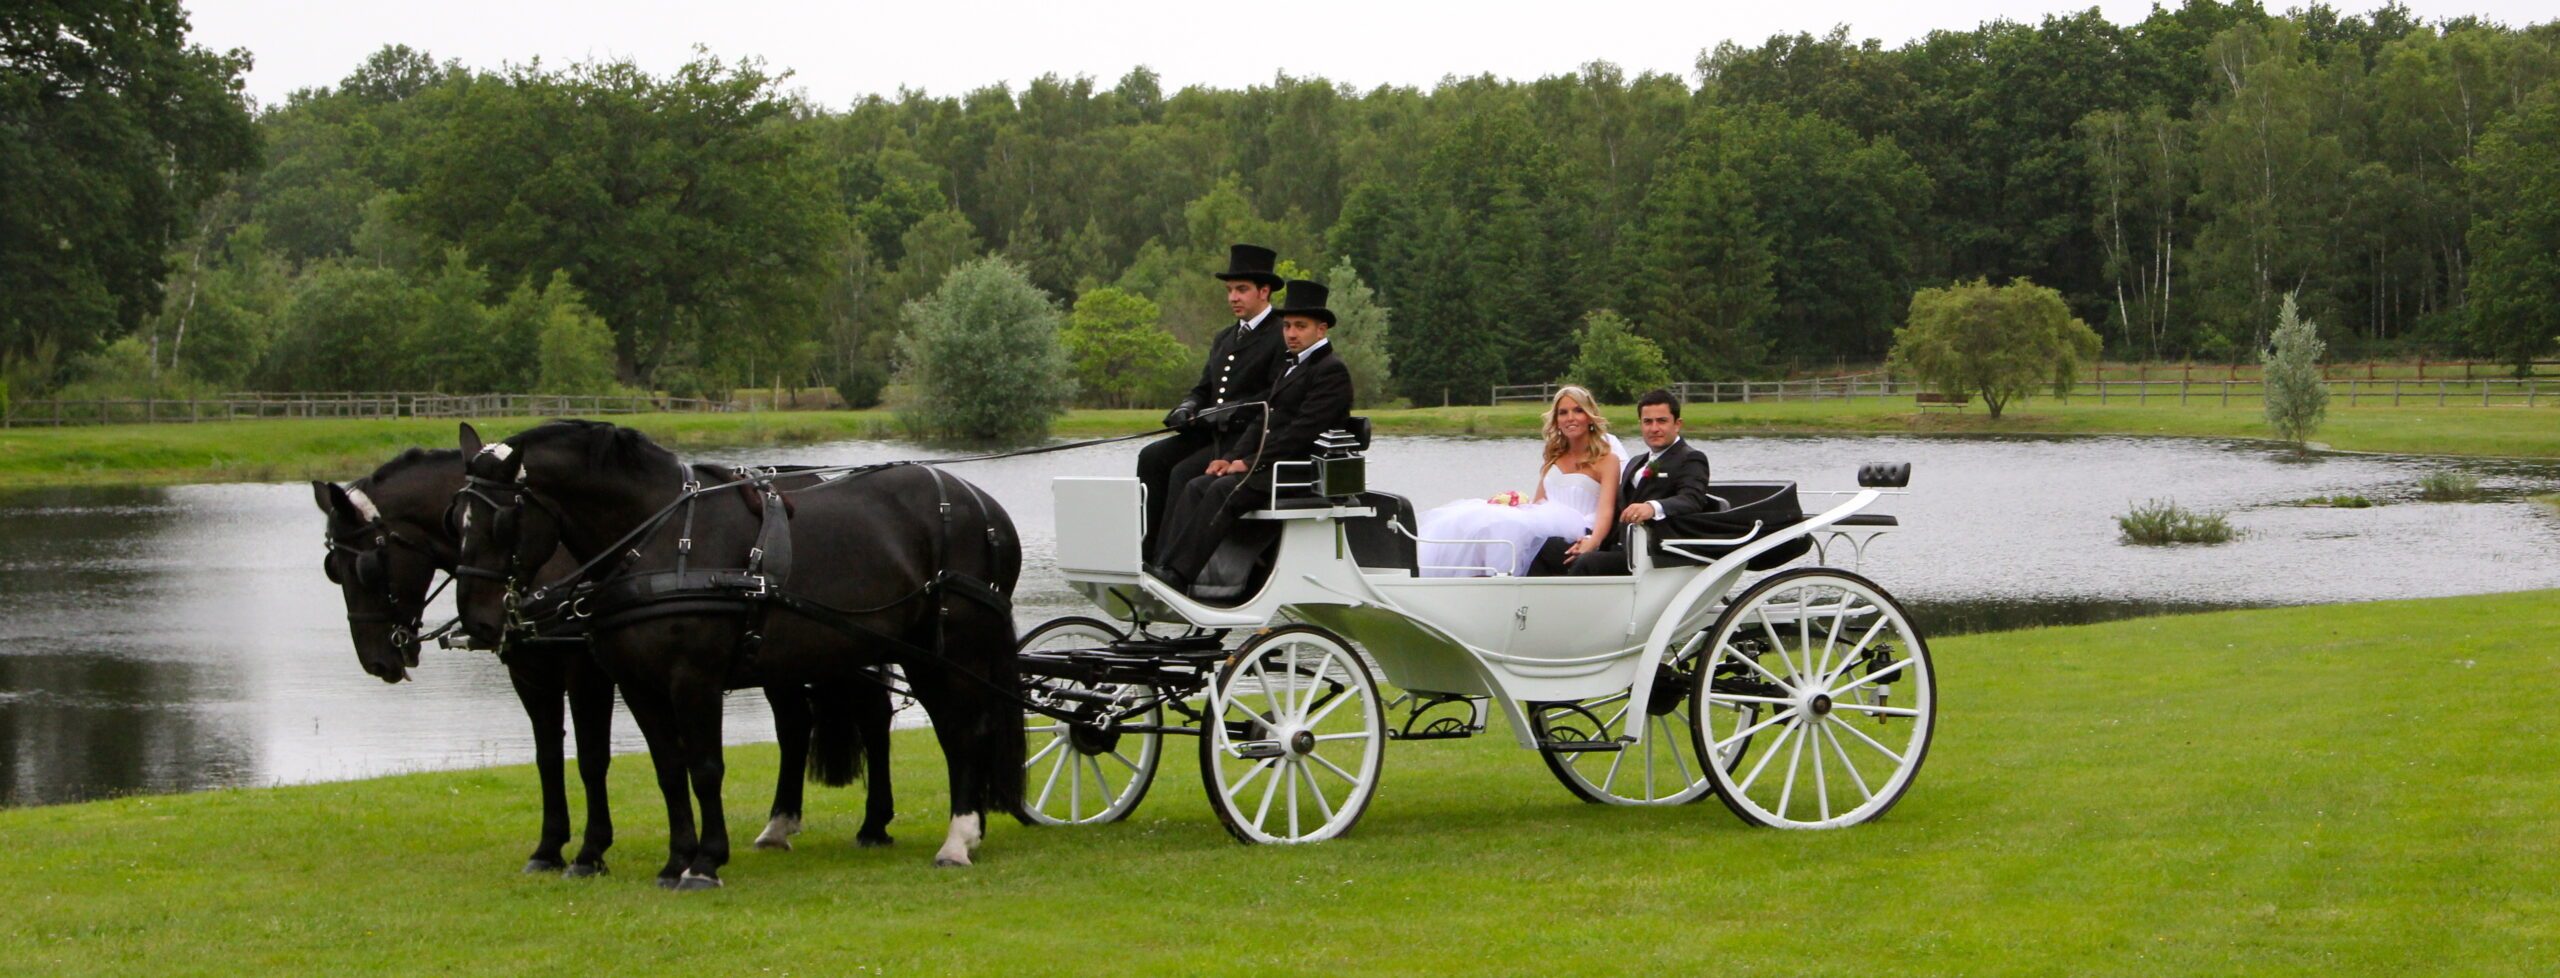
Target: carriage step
[[1460, 733], [1579, 746]]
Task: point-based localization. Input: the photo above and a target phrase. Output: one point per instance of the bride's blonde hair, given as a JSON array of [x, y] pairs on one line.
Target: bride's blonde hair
[[1595, 443]]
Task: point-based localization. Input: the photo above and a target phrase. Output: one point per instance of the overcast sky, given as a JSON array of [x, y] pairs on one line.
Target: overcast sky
[[840, 51]]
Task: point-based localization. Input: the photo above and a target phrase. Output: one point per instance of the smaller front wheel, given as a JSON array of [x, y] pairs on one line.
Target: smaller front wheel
[[1295, 738], [1086, 771]]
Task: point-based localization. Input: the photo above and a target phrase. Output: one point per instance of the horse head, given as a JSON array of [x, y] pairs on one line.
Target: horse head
[[510, 519], [385, 541]]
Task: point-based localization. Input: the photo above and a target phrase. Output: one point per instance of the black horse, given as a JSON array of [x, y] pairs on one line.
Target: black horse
[[897, 564], [389, 533]]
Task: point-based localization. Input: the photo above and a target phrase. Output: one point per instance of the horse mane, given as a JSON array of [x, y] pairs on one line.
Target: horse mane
[[410, 459], [608, 447]]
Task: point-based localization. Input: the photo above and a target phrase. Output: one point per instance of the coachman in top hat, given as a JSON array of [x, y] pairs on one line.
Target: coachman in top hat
[[1243, 361]]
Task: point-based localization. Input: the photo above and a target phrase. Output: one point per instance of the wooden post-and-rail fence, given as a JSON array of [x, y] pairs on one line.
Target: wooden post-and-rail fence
[[342, 404], [2443, 391]]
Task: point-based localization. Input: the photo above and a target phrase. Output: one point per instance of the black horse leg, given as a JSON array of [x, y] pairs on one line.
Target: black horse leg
[[698, 711], [651, 708], [791, 714], [591, 713], [954, 715], [541, 701], [872, 710]]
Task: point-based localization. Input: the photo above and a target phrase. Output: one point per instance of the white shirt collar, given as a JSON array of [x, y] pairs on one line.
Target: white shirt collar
[[1311, 350], [1251, 324], [1650, 454]]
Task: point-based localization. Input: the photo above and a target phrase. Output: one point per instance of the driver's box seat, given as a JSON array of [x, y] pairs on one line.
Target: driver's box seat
[[1337, 476]]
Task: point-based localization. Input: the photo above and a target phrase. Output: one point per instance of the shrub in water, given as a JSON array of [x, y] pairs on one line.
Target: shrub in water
[[2448, 486], [2162, 521]]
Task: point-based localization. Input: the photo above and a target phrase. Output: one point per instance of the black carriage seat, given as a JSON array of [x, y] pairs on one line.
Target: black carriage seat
[[1383, 542], [1772, 506]]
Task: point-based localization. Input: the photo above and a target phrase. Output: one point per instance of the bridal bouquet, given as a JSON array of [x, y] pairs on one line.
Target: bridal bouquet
[[1507, 497]]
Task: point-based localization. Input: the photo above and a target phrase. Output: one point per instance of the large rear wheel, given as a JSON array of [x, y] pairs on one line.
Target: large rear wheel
[[1817, 690], [1086, 770], [1295, 737]]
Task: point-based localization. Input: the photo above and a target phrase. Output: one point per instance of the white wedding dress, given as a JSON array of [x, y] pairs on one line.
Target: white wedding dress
[[1475, 538]]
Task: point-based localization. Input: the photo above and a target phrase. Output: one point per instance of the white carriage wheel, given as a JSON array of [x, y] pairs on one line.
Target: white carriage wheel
[[1085, 777], [1663, 770], [1295, 737], [1847, 697]]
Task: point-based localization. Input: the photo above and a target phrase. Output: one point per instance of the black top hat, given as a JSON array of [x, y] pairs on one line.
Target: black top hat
[[1252, 263], [1307, 299]]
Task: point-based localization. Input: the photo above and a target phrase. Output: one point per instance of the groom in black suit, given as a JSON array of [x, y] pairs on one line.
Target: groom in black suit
[[1311, 396], [1662, 487], [1242, 362]]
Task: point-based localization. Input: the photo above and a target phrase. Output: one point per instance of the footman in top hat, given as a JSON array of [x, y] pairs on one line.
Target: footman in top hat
[[1243, 360], [1311, 396]]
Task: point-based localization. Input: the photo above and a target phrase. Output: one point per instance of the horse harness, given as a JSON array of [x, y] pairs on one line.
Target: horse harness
[[368, 549], [588, 601]]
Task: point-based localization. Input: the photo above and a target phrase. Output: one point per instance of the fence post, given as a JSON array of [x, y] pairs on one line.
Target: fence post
[[2226, 393], [2484, 386], [2395, 392], [2439, 391], [2182, 393]]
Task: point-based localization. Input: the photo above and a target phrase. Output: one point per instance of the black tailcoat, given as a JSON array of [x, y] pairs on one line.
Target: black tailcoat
[[1305, 402]]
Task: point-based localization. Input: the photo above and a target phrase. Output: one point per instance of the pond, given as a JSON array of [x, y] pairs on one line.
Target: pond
[[183, 638]]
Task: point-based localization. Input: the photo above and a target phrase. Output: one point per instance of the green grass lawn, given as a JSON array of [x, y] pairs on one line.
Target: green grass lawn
[[2342, 790], [256, 451]]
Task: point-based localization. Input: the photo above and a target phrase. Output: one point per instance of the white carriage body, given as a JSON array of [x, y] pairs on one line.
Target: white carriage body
[[1514, 640]]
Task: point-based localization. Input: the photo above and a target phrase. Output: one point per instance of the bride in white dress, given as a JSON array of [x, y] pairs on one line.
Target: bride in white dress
[[1577, 491]]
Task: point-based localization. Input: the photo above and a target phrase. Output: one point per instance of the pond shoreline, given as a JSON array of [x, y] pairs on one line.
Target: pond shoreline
[[294, 450]]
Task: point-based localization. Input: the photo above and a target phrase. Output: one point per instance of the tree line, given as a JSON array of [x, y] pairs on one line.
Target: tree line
[[426, 224]]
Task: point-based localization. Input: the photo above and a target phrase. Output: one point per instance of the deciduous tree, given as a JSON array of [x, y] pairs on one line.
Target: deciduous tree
[[1996, 342]]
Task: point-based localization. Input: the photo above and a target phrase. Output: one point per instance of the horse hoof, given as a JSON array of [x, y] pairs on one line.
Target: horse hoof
[[873, 841], [579, 871], [539, 865], [773, 843], [692, 881], [666, 882], [949, 862]]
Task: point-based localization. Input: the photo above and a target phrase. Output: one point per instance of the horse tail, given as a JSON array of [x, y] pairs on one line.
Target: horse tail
[[835, 751], [1003, 718]]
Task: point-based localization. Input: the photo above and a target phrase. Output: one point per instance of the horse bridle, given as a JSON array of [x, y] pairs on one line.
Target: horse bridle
[[370, 562]]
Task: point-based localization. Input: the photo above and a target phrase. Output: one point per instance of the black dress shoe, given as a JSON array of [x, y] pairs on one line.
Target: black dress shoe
[[1171, 579]]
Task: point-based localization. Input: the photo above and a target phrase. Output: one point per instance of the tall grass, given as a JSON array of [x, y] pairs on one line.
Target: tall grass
[[2448, 486], [2161, 521]]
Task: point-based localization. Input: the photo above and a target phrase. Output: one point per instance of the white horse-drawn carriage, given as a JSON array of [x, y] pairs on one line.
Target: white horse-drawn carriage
[[1801, 696]]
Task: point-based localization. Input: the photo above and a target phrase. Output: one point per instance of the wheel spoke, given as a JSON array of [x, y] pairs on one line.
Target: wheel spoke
[[1864, 792], [1289, 773], [1054, 744], [1821, 781], [1795, 760], [1318, 719], [1125, 761], [1754, 728], [1890, 711], [1270, 787], [1884, 673], [1784, 733], [1336, 769], [1739, 698], [1051, 784], [1106, 794], [1323, 806], [1771, 630], [1075, 785], [1871, 742], [1672, 745], [1307, 699], [1328, 738], [1832, 640], [1246, 781], [1852, 657], [1615, 758], [1754, 663]]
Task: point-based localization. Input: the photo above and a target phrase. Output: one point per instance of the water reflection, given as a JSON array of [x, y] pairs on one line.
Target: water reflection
[[170, 639]]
